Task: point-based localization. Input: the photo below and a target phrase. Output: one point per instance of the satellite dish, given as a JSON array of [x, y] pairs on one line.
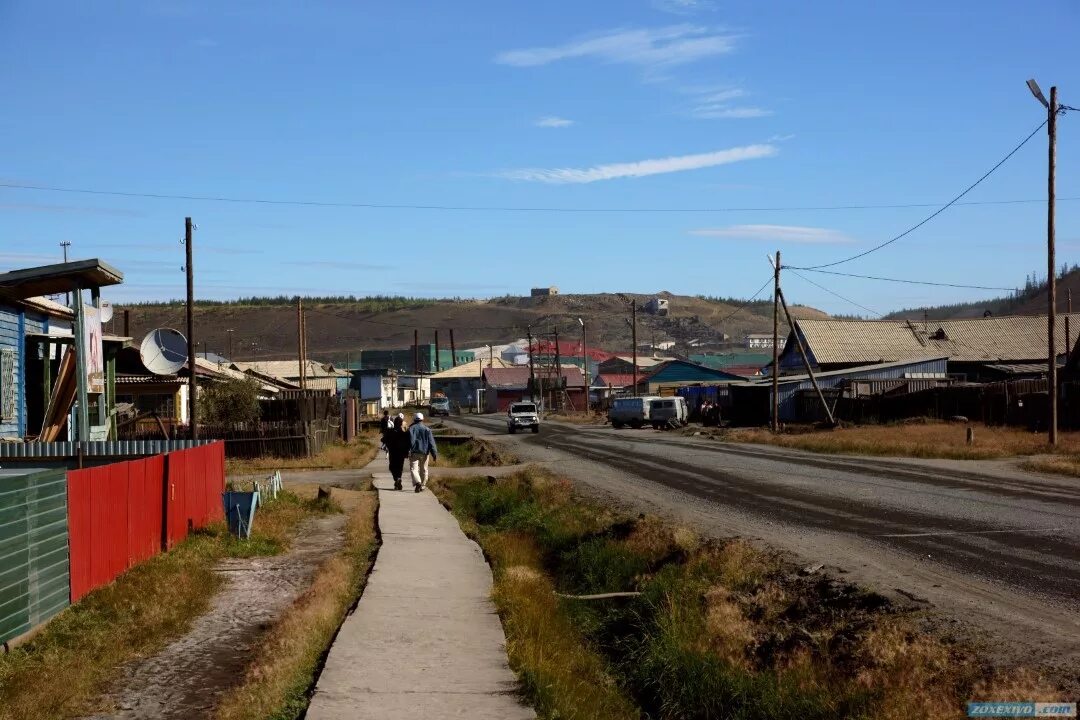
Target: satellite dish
[[106, 311], [163, 351]]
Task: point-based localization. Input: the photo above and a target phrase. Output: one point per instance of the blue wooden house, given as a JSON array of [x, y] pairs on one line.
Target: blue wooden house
[[680, 373], [20, 321]]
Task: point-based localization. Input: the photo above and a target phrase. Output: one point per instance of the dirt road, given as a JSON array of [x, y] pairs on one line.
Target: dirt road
[[989, 545]]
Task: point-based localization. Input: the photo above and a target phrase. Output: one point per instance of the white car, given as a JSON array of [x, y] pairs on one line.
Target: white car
[[522, 416]]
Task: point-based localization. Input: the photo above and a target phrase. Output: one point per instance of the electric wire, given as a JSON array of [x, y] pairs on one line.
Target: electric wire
[[937, 212], [836, 294], [900, 280], [504, 208], [746, 304]]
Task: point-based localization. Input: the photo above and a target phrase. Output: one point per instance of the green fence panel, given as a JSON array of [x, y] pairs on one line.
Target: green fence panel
[[34, 570]]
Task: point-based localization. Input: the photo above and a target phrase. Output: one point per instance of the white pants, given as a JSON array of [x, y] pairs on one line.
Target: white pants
[[418, 467]]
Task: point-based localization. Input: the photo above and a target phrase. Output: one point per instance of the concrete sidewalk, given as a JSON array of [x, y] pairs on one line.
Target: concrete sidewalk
[[425, 641]]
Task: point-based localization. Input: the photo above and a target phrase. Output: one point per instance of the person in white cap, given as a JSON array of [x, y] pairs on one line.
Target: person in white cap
[[422, 446]]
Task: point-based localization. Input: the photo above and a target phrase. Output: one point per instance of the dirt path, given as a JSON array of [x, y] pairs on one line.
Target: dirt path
[[186, 679]]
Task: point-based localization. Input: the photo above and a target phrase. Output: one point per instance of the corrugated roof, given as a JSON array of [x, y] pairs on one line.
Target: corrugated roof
[[1014, 338], [618, 380], [471, 369], [289, 369]]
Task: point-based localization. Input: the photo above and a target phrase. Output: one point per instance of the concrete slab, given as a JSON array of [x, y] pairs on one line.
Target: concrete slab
[[425, 641]]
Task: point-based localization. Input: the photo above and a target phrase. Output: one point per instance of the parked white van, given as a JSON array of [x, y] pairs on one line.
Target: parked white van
[[669, 412], [632, 411]]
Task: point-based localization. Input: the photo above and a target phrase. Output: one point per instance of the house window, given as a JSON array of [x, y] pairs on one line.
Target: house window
[[7, 384]]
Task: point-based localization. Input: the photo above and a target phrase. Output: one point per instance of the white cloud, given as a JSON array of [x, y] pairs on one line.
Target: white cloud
[[781, 138], [649, 47], [641, 168], [780, 233], [553, 121], [715, 103], [684, 7]]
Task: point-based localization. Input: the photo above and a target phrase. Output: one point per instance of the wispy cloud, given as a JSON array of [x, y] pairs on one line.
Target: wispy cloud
[[648, 47], [684, 7], [641, 168], [781, 138], [717, 103], [778, 233], [553, 121]]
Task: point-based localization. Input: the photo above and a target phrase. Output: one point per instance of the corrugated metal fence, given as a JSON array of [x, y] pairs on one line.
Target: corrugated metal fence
[[124, 513], [33, 549], [63, 535]]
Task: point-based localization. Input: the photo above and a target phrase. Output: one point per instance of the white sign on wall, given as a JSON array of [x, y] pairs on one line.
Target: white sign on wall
[[93, 353]]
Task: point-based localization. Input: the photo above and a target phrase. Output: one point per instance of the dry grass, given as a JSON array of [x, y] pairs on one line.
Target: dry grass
[[563, 675], [83, 649], [929, 439], [335, 456], [720, 629], [277, 681], [1067, 464], [474, 453]]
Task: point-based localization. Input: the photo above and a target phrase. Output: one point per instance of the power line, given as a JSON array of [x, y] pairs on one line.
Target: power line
[[836, 294], [899, 280], [506, 208], [937, 212], [747, 304]]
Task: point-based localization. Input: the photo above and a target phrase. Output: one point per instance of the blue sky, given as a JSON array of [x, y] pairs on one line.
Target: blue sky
[[661, 104]]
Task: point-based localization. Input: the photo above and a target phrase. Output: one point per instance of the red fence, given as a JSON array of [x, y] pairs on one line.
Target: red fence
[[122, 514]]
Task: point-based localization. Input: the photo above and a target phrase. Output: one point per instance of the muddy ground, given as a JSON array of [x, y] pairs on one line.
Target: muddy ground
[[186, 679]]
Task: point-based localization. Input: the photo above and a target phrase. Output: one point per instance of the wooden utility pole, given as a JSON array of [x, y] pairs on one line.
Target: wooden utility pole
[[300, 341], [532, 368], [558, 366], [453, 350], [633, 338], [438, 360], [127, 323], [190, 271], [229, 332], [1051, 276], [806, 361], [303, 333], [776, 346], [416, 351]]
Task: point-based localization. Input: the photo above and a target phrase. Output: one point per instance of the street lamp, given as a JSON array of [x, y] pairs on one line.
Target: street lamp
[[584, 362], [1051, 279]]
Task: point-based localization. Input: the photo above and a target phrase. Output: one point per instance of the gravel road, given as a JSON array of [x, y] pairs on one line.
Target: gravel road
[[992, 548]]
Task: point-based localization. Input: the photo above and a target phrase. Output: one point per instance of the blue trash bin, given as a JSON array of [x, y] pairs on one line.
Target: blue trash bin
[[240, 511]]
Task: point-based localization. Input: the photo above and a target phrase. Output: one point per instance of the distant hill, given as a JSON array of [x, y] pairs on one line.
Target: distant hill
[[265, 328], [1029, 300]]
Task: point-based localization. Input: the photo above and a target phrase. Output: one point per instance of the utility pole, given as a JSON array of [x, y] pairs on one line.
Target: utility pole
[[127, 323], [190, 270], [806, 361], [633, 338], [453, 349], [416, 351], [230, 334], [1051, 274], [300, 340], [438, 360], [65, 245], [532, 369], [776, 346], [584, 362], [558, 360], [1068, 307]]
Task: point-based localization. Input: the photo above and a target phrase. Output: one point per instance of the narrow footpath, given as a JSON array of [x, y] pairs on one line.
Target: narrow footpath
[[425, 641]]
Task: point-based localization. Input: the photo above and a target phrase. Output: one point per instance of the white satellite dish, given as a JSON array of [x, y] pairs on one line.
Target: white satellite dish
[[106, 311], [163, 351]]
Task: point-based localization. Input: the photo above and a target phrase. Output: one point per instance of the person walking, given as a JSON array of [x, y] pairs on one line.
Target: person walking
[[398, 444], [385, 427], [421, 447]]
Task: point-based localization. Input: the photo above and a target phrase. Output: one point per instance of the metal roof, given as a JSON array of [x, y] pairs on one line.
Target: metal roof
[[58, 278], [471, 369], [290, 369], [617, 380], [853, 370], [1014, 338], [518, 376]]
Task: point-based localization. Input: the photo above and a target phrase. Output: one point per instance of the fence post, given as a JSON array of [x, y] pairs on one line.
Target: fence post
[[165, 502]]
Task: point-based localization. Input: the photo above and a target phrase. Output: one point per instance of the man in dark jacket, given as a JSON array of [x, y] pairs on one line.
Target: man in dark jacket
[[421, 447]]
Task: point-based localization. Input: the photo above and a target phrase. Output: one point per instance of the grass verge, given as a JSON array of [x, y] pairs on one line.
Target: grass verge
[[335, 456], [474, 453], [277, 683], [719, 630], [87, 645], [919, 439]]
